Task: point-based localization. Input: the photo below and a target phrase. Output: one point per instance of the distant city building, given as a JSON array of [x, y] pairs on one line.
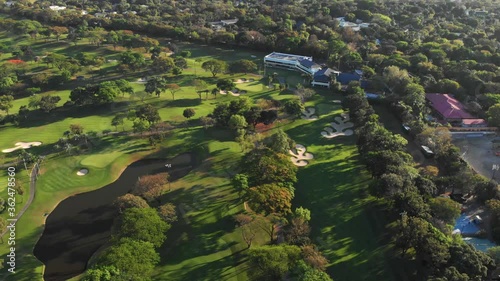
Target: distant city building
[[220, 25], [355, 26]]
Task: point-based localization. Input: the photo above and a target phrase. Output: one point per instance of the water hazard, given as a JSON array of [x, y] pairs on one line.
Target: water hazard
[[81, 224]]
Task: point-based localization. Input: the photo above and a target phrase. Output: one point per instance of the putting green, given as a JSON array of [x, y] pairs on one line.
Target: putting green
[[101, 160]]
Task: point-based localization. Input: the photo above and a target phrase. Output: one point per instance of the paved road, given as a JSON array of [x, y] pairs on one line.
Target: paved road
[[34, 173]]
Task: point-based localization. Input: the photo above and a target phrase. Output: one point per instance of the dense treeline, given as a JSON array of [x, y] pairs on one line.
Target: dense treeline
[[422, 232], [407, 50], [442, 47], [267, 185]]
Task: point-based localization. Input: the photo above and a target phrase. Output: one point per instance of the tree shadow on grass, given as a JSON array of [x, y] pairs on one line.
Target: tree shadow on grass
[[341, 226], [26, 263], [38, 118], [184, 102]]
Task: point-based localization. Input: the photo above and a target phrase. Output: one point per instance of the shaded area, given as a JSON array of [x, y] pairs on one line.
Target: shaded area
[[81, 224], [480, 244]]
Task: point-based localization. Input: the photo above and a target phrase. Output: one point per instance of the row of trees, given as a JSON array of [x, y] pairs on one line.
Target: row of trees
[[267, 185], [138, 232], [102, 93], [422, 232]]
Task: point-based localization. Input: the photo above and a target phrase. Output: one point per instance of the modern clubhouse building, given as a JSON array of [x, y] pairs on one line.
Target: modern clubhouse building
[[321, 75]]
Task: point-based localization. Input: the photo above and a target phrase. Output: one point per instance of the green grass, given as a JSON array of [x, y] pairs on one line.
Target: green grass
[[346, 225], [204, 245]]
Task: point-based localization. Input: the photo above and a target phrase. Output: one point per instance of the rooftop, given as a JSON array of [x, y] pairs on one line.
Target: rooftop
[[289, 57], [308, 63], [324, 75], [474, 122], [448, 107]]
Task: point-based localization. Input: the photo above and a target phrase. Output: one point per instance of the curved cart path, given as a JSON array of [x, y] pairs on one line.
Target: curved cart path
[[33, 176]]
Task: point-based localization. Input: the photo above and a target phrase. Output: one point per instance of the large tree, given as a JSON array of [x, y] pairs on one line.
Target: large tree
[[129, 201], [148, 113], [151, 187], [494, 115], [142, 224], [280, 142], [272, 262], [167, 212], [270, 199], [102, 273], [156, 85], [133, 61], [48, 103], [445, 209], [225, 84], [214, 66], [133, 264], [242, 66], [294, 107], [6, 103], [266, 166], [305, 272]]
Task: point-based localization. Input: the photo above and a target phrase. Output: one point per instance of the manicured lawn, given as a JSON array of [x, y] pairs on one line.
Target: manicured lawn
[[57, 181], [204, 244], [345, 223]]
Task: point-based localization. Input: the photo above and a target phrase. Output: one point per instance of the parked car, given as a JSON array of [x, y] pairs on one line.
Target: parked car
[[406, 128], [428, 153]]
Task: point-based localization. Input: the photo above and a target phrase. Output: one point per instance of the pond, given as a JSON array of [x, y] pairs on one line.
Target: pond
[[81, 224]]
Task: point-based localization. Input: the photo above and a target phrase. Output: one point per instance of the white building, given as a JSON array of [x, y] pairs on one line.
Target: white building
[[293, 62], [57, 8], [321, 76]]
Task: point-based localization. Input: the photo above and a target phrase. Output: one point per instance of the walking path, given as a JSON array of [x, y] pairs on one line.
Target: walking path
[[33, 177]]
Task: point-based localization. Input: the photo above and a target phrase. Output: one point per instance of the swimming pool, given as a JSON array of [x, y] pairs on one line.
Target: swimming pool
[[466, 225]]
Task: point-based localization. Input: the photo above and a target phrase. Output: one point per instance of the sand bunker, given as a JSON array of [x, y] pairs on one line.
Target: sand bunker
[[340, 124], [308, 113], [22, 145], [82, 172], [241, 80], [337, 101], [299, 156], [223, 92], [234, 94]]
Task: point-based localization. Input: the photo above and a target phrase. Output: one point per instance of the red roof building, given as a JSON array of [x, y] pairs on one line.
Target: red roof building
[[448, 107], [453, 111]]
